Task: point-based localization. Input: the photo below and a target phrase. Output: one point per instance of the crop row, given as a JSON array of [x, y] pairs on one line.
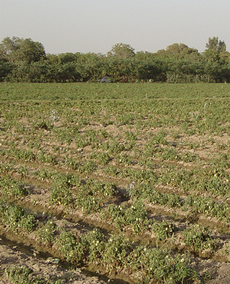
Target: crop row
[[92, 196], [114, 253], [143, 168], [212, 180]]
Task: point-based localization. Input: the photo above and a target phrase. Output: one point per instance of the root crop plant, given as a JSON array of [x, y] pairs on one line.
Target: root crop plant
[[102, 175]]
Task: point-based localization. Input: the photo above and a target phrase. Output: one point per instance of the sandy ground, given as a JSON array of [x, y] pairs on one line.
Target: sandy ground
[[10, 257]]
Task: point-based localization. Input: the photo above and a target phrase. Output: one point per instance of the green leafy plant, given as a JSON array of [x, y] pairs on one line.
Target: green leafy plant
[[160, 265], [20, 274], [122, 216], [115, 252], [16, 218], [198, 238], [163, 230], [13, 187], [25, 275], [46, 232], [23, 171], [61, 189]]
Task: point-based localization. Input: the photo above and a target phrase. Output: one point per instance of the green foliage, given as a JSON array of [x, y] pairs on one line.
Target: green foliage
[[66, 244], [206, 205], [121, 50], [87, 167], [5, 168], [23, 60], [101, 158], [25, 155], [124, 154], [160, 265], [20, 274], [42, 125], [46, 232], [81, 249], [124, 159], [23, 171], [116, 147], [11, 187], [46, 158], [156, 197], [43, 174], [22, 50], [61, 189], [115, 253], [96, 246], [87, 203], [5, 69], [216, 44], [198, 238], [130, 136], [91, 195], [122, 216], [112, 170], [163, 230], [25, 275], [16, 218]]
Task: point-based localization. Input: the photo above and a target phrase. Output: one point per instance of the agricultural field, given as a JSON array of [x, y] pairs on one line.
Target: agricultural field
[[119, 183]]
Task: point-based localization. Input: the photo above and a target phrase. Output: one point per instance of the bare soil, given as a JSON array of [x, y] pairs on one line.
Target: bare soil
[[44, 268], [215, 270]]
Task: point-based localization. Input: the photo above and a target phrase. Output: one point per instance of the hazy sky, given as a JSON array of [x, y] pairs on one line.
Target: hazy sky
[[96, 25]]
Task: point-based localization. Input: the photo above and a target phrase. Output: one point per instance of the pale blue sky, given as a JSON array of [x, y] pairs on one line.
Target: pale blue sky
[[96, 25]]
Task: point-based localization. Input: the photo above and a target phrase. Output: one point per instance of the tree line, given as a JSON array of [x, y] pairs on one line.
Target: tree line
[[23, 60]]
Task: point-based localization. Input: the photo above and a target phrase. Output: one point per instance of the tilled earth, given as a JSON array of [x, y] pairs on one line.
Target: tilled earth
[[44, 268], [156, 137]]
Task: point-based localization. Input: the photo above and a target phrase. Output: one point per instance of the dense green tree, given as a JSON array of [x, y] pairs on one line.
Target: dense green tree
[[23, 60], [5, 69], [66, 58], [211, 55], [151, 69], [215, 50], [177, 51], [215, 44], [18, 49], [121, 50], [225, 56], [144, 55]]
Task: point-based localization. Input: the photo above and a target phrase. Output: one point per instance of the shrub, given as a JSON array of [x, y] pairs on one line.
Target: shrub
[[198, 238], [163, 230], [46, 232], [16, 217]]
